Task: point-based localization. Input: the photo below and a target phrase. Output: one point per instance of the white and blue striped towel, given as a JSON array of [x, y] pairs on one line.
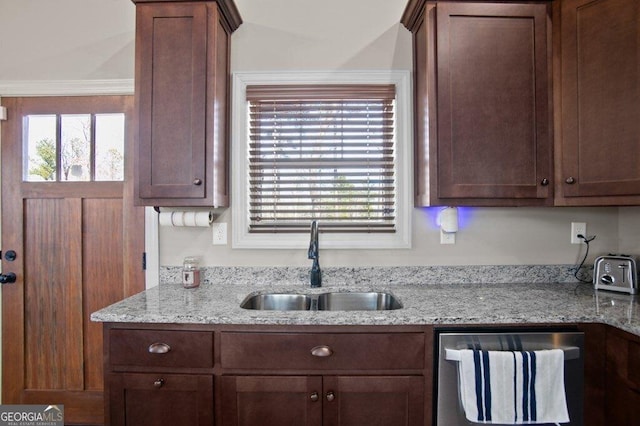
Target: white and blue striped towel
[[513, 387]]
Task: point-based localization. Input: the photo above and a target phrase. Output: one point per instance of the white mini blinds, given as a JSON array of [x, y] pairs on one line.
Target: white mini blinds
[[321, 152]]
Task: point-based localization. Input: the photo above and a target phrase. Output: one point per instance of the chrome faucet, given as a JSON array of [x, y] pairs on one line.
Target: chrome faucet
[[315, 277]]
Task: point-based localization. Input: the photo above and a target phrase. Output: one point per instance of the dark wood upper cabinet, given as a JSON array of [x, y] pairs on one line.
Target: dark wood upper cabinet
[[182, 83], [597, 66], [483, 117]]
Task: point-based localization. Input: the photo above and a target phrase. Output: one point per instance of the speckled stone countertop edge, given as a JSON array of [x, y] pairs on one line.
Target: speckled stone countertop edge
[[435, 304]]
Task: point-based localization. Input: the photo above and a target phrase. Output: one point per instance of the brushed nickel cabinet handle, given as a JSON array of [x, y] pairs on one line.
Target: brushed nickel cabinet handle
[[159, 348], [314, 397], [158, 383], [321, 351], [330, 396], [197, 181], [570, 180]]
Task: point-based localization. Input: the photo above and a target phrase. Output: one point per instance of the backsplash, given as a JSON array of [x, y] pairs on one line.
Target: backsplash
[[383, 276]]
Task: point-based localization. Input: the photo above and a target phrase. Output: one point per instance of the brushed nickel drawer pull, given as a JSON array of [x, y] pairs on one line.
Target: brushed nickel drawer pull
[[159, 348], [322, 351], [158, 383]]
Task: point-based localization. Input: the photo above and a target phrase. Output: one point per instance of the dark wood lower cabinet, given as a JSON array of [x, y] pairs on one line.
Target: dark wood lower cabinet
[[151, 399], [197, 375], [374, 400], [271, 400], [322, 400], [622, 388]]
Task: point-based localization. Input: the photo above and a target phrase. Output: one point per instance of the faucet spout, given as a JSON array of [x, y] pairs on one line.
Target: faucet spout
[[315, 277]]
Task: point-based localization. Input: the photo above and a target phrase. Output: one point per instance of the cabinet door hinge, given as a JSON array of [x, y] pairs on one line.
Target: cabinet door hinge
[[144, 261]]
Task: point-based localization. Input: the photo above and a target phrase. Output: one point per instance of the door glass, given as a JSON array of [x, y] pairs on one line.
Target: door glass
[[109, 155], [74, 147], [40, 146]]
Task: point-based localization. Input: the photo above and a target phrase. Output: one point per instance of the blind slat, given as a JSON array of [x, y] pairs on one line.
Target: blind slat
[[296, 92]]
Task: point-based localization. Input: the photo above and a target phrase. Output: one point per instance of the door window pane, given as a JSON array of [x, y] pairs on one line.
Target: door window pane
[[109, 155], [75, 147], [40, 146]]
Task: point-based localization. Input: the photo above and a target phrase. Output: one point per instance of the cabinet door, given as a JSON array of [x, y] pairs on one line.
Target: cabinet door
[[622, 394], [271, 400], [380, 401], [160, 399], [171, 88], [600, 102], [493, 133]]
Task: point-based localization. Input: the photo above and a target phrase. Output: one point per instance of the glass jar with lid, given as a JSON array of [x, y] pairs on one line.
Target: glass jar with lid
[[191, 272]]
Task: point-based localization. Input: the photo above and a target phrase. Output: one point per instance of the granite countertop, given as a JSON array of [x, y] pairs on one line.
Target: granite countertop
[[448, 304]]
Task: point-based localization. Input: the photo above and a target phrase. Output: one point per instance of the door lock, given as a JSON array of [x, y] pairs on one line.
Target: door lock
[[7, 278], [10, 255]]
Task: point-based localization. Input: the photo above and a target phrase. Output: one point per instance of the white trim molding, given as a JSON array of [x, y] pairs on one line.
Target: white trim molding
[[66, 87], [401, 239]]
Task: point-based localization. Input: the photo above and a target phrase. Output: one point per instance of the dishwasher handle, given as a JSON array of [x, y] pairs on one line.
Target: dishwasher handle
[[571, 352]]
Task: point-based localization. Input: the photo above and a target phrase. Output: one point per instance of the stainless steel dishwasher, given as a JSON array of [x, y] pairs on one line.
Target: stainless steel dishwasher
[[449, 411]]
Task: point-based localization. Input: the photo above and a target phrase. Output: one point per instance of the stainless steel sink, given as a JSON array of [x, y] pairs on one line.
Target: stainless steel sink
[[334, 301], [277, 302], [369, 301]]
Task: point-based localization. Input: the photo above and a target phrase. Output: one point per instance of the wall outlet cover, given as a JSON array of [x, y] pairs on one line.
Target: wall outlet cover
[[578, 228], [219, 233]]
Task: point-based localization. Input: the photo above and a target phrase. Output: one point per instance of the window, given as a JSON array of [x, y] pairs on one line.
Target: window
[[74, 147], [334, 151]]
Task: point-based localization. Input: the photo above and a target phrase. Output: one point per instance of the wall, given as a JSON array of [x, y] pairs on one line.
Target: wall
[[93, 39], [629, 231], [66, 39]]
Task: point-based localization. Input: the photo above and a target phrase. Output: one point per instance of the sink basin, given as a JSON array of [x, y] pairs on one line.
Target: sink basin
[[277, 302], [368, 301], [336, 301]]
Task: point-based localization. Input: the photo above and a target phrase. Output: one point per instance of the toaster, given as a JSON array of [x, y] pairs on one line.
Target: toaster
[[616, 273]]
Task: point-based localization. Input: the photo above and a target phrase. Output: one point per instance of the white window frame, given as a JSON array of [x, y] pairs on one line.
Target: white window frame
[[401, 239]]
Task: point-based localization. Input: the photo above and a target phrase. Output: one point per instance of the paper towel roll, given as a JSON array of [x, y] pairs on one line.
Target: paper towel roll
[[185, 218]]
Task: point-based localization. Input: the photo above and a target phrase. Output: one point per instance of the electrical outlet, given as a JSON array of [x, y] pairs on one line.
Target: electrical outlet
[[219, 233], [578, 228]]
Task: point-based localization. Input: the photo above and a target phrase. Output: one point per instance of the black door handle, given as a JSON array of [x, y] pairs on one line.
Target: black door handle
[[7, 278]]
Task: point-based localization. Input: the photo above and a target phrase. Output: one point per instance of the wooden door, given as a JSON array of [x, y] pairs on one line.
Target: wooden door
[[374, 401], [152, 399], [78, 245], [271, 400], [599, 132], [494, 140]]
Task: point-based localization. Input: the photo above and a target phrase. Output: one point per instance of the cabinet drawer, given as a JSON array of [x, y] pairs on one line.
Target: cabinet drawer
[[155, 348], [333, 351]]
